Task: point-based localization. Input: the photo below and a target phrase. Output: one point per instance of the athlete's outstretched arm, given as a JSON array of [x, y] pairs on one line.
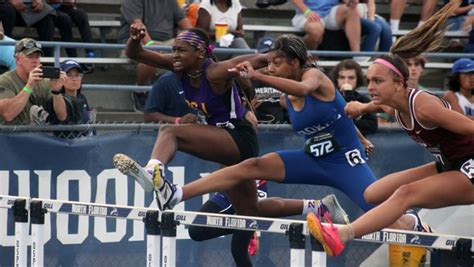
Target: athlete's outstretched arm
[[219, 71], [310, 80], [135, 51]]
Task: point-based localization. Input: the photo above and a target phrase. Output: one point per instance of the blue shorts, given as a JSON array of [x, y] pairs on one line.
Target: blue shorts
[[337, 170]]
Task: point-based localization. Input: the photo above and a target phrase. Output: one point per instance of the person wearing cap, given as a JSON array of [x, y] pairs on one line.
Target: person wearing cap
[[72, 87], [461, 87], [24, 86], [76, 103]]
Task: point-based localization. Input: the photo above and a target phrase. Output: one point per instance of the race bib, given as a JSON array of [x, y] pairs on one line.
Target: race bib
[[468, 169], [321, 145], [354, 157]]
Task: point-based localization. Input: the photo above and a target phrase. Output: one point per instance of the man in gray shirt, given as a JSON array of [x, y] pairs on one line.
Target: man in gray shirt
[[161, 17], [24, 87]]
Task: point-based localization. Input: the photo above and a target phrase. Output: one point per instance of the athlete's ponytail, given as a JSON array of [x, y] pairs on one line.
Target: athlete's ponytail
[[426, 37]]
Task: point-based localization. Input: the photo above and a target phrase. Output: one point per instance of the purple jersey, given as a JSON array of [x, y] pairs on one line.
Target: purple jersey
[[442, 143], [217, 108]]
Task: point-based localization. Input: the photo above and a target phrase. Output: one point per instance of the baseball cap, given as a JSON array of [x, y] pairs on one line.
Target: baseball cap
[[264, 44], [463, 65], [28, 46], [70, 64]]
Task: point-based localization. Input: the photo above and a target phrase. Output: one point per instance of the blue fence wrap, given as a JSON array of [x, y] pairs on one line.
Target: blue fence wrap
[[40, 165]]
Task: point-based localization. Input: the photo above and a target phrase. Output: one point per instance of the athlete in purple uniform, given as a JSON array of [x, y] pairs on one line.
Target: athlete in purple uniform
[[430, 121]]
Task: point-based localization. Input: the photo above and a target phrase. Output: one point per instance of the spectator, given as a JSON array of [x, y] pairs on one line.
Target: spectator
[[463, 17], [267, 100], [161, 19], [7, 53], [374, 28], [463, 20], [461, 87], [416, 66], [397, 8], [68, 14], [223, 11], [166, 101], [348, 78], [24, 86], [76, 103], [28, 13], [313, 16]]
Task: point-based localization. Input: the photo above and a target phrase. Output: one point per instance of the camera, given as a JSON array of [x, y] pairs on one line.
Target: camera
[[51, 72]]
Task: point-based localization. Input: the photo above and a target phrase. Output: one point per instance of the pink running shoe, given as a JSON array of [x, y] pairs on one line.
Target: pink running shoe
[[253, 245], [326, 235]]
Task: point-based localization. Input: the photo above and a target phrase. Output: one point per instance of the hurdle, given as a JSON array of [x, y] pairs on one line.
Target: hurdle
[[163, 225]]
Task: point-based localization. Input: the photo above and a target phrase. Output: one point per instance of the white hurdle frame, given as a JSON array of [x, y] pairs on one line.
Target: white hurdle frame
[[165, 223]]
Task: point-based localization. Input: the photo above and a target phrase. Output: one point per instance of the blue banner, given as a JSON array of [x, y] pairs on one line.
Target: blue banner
[[39, 165]]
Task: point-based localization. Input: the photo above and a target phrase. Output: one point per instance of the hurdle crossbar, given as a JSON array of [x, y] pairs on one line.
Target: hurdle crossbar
[[297, 228]]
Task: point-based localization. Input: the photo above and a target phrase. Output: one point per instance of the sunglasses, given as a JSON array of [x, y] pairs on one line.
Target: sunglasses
[[30, 45]]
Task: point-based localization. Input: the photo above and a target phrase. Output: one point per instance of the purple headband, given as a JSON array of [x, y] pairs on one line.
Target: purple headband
[[194, 40], [390, 66]]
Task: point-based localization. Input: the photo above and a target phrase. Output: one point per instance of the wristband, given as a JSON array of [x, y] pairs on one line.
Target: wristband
[[176, 121], [55, 92], [149, 43], [28, 90], [306, 12]]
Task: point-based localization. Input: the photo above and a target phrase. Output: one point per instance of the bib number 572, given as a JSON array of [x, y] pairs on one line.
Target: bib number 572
[[321, 148]]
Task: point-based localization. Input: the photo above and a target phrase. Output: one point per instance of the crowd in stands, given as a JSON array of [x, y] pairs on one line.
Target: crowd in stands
[[38, 99]]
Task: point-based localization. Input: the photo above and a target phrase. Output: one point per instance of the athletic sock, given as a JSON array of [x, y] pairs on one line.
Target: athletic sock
[[151, 164], [178, 196], [311, 205], [420, 23], [346, 233], [394, 24]]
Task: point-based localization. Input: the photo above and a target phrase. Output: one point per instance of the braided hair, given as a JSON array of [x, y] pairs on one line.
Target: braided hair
[[291, 47]]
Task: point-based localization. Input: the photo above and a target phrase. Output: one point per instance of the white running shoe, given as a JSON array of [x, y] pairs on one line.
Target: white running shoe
[[419, 225], [164, 194], [337, 214], [131, 168]]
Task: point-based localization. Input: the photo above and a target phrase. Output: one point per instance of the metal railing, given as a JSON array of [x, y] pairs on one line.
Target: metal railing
[[225, 51]]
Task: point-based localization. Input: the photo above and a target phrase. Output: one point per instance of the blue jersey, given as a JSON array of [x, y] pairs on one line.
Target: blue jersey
[[344, 168], [217, 108], [319, 117]]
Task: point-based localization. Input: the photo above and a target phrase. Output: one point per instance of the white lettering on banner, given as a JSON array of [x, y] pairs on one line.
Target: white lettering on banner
[[394, 237], [214, 221], [100, 225], [373, 236], [44, 191], [138, 201], [235, 222], [81, 209], [84, 188], [5, 240]]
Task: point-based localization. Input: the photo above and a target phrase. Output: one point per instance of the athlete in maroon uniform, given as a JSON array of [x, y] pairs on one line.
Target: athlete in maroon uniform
[[449, 148], [428, 120]]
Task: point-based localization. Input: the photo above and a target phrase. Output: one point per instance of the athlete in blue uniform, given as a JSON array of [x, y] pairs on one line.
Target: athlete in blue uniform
[[332, 154]]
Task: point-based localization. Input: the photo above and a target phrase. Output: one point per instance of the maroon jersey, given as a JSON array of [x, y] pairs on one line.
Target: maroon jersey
[[446, 146]]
